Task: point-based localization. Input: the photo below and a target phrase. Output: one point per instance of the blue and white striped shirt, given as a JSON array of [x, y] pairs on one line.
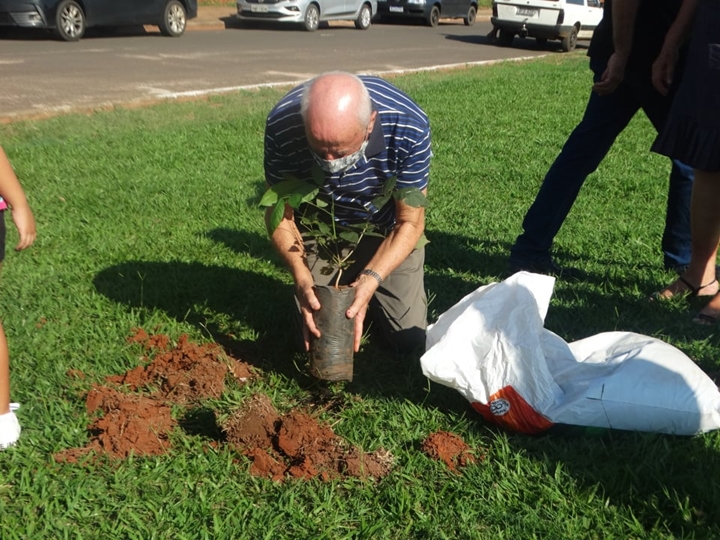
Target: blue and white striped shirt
[[399, 145]]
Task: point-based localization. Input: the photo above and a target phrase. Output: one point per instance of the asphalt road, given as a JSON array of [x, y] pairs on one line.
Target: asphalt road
[[41, 76]]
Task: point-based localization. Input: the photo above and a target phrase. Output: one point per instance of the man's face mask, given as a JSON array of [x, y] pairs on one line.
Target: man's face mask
[[340, 164]]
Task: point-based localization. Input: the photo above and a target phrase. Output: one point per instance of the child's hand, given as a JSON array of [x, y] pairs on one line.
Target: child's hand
[[25, 223]]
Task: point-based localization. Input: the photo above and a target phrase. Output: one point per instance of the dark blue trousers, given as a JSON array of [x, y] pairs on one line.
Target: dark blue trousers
[[605, 118]]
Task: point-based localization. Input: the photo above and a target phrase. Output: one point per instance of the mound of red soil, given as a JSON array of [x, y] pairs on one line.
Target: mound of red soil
[[140, 423], [188, 372], [297, 445], [130, 423], [448, 448], [134, 416]]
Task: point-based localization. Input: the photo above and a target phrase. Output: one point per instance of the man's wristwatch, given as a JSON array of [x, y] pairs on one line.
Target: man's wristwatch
[[373, 274]]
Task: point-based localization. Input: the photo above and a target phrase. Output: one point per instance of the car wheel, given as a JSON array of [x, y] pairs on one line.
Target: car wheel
[[570, 41], [506, 38], [363, 20], [174, 19], [312, 18], [69, 21], [469, 19], [434, 17]]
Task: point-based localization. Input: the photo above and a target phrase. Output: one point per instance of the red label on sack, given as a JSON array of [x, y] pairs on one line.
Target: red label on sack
[[507, 409]]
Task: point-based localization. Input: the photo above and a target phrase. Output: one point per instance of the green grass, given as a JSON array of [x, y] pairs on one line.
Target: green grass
[[148, 218]]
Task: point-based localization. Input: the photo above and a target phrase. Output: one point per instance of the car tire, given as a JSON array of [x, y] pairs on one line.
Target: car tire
[[434, 17], [69, 21], [311, 22], [174, 19], [505, 38], [469, 19], [570, 41], [364, 18]]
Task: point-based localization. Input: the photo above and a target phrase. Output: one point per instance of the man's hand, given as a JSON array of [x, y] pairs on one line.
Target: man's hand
[[662, 71], [308, 304], [365, 287], [612, 77]]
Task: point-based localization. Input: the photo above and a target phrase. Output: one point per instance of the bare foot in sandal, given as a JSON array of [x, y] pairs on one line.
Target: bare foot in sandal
[[682, 287]]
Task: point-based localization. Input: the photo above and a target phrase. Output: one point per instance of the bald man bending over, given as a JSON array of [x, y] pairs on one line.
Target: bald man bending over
[[361, 132]]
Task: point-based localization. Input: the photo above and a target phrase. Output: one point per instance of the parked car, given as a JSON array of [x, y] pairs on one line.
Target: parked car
[[566, 20], [308, 13], [70, 18], [429, 11]]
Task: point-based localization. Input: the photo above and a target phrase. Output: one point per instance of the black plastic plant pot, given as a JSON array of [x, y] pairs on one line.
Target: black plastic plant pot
[[331, 355]]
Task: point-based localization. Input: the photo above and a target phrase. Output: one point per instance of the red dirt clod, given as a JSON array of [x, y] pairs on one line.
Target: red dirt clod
[[296, 445], [448, 448], [141, 423], [293, 445]]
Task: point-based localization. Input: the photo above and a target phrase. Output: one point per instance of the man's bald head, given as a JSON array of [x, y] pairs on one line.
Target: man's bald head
[[337, 113]]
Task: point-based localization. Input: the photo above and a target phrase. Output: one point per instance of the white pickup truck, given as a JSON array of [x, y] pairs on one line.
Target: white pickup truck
[[566, 20]]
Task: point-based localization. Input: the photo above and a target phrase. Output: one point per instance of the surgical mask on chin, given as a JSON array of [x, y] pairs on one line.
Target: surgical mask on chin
[[342, 164]]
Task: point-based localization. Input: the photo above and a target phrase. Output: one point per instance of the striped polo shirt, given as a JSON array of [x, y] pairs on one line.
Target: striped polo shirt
[[398, 146]]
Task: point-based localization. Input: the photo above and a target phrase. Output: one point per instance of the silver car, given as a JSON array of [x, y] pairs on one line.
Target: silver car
[[309, 13]]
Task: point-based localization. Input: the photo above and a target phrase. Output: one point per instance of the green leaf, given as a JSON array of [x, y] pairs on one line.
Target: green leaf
[[381, 200], [294, 200], [269, 198], [276, 216], [390, 184], [324, 229], [422, 242], [412, 197], [289, 188], [349, 236]]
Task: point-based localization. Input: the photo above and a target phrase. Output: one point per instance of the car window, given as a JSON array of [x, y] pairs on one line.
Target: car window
[[576, 2]]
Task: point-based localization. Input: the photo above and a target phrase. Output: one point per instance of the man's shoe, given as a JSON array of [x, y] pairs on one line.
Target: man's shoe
[[547, 266]]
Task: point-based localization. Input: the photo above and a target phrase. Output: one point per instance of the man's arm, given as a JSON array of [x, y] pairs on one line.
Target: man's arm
[[288, 243], [624, 13], [409, 228], [663, 69]]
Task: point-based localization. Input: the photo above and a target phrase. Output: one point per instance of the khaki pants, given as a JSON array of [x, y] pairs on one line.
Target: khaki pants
[[399, 307]]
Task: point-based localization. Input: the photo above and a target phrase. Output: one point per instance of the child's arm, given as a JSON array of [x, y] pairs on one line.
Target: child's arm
[[12, 192]]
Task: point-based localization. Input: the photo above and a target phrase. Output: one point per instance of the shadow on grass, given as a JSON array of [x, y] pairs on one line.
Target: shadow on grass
[[662, 479], [197, 293], [666, 481], [202, 422]]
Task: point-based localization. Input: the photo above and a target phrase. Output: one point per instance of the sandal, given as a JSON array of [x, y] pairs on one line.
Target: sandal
[[691, 291], [705, 320]]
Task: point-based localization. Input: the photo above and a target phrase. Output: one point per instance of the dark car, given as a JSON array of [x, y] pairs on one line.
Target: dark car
[[428, 11], [69, 18]]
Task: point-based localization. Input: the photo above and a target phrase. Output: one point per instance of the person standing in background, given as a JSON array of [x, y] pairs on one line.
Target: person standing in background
[[622, 51], [692, 133], [12, 196]]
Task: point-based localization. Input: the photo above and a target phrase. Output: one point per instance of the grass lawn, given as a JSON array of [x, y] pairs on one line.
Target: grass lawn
[[148, 218]]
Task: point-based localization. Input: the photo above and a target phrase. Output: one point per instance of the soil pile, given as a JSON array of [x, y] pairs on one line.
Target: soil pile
[[133, 414], [140, 422], [448, 448], [297, 445]]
